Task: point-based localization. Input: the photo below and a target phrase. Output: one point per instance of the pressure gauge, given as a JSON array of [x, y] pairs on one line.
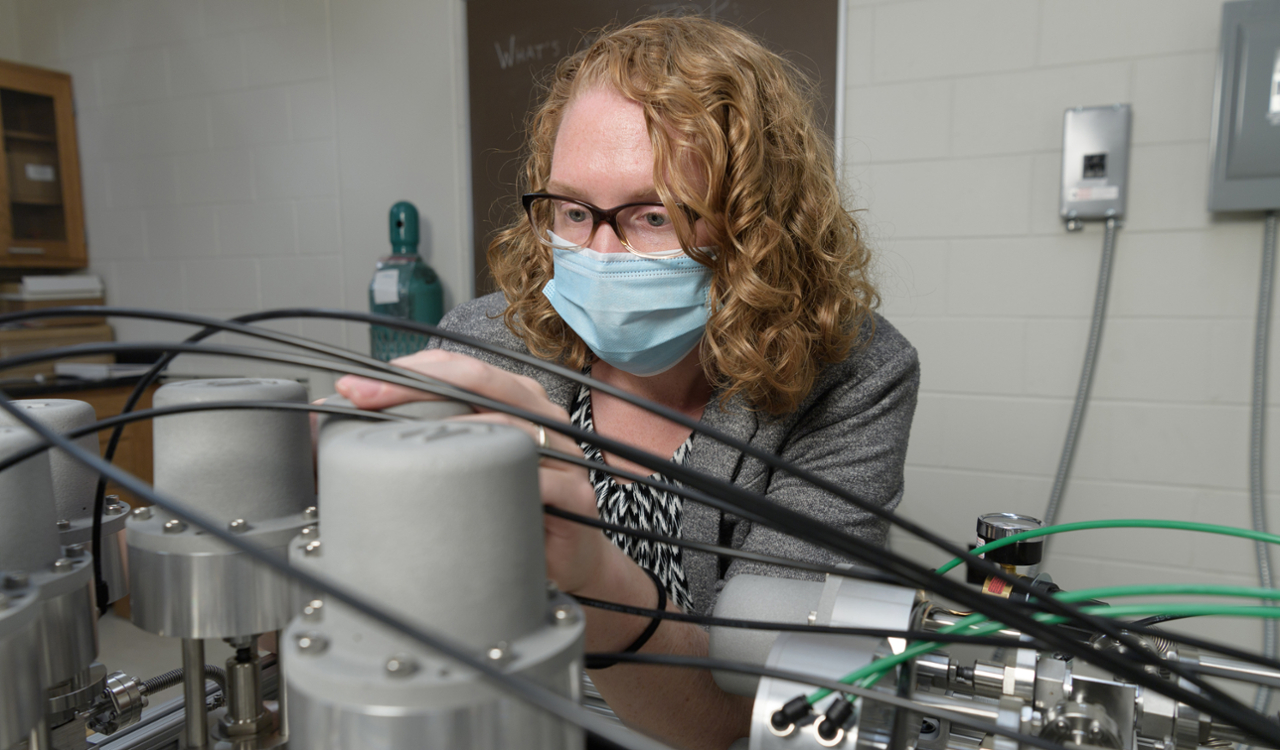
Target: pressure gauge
[[993, 526]]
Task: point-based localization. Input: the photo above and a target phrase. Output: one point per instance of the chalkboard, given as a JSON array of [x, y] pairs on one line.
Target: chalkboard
[[510, 43]]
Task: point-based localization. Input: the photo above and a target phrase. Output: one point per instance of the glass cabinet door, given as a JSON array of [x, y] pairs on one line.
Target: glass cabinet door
[[41, 217], [31, 150]]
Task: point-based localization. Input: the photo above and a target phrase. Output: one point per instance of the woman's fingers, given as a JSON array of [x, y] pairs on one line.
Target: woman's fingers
[[456, 369], [554, 440]]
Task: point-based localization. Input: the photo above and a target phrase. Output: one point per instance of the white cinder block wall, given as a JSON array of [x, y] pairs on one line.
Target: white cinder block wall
[[243, 154], [952, 145]]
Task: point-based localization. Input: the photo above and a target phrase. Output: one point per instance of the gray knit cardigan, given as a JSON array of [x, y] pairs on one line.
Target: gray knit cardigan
[[852, 428]]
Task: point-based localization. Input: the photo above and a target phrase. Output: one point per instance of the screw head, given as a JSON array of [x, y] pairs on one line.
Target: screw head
[[312, 644], [500, 652], [311, 532], [63, 565], [314, 610], [239, 526], [76, 551], [63, 525], [174, 527], [115, 509], [312, 548], [564, 615], [311, 513], [401, 665], [16, 580], [143, 513]]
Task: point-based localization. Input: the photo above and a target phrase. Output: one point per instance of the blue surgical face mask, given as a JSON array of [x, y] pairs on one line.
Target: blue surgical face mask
[[638, 314]]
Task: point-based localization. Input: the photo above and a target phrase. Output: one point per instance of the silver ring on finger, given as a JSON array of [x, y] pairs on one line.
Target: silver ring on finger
[[542, 438]]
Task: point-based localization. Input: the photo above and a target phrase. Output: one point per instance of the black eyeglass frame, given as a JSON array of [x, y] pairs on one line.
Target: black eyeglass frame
[[598, 215]]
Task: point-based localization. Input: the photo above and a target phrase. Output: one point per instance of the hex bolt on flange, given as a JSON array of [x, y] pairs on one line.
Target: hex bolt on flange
[[312, 644], [401, 665]]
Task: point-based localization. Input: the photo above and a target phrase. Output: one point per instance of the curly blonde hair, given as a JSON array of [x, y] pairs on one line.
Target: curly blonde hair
[[734, 138]]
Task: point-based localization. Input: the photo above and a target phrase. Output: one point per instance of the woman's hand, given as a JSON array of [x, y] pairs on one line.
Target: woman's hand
[[579, 558]]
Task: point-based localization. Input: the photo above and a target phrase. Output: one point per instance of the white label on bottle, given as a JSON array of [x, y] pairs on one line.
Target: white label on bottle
[[386, 287], [40, 172]]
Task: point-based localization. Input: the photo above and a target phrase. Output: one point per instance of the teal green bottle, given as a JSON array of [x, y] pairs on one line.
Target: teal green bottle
[[405, 287]]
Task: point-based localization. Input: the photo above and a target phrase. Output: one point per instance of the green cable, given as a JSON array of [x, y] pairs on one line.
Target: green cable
[[876, 669], [1122, 523]]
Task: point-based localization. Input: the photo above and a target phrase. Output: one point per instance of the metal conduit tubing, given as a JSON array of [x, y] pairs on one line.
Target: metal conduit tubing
[[1086, 378], [1257, 435]]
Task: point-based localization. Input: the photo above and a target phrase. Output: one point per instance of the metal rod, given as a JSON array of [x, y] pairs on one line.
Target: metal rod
[[40, 736], [197, 728], [282, 693]]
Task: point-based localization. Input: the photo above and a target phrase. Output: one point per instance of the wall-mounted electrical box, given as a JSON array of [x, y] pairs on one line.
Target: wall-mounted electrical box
[[1246, 118], [1095, 163]]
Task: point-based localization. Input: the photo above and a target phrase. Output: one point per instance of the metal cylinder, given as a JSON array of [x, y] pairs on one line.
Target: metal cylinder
[[74, 484], [28, 515], [21, 697], [249, 469], [196, 731], [456, 497], [245, 712], [763, 598], [453, 545], [187, 584], [69, 629], [235, 464]]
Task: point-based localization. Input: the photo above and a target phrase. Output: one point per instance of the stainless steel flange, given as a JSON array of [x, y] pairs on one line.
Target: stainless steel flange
[[224, 593], [412, 698]]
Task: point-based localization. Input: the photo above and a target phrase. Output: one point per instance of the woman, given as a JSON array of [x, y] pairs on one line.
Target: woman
[[722, 278]]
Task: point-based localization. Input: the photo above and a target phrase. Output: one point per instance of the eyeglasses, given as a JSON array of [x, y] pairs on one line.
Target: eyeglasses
[[644, 229]]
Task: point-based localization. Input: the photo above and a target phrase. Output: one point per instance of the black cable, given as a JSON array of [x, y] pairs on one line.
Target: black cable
[[698, 662], [517, 685], [865, 574], [141, 415], [795, 627], [790, 522], [781, 518], [1156, 619]]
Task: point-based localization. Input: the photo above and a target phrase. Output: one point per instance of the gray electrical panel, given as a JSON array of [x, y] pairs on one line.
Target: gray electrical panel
[[1095, 163], [1246, 116]]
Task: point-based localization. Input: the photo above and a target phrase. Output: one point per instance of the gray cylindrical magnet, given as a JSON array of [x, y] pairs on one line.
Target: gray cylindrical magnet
[[28, 518], [441, 521], [233, 464], [73, 482]]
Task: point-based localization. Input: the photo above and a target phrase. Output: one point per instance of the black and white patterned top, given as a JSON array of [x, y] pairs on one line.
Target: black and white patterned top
[[639, 506]]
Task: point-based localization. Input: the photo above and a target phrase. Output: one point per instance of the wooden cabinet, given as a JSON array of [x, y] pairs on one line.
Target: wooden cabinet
[[41, 210]]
